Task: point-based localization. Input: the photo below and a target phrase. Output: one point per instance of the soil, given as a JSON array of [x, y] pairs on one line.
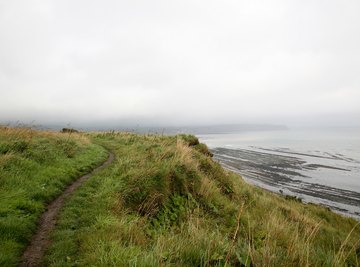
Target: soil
[[33, 255]]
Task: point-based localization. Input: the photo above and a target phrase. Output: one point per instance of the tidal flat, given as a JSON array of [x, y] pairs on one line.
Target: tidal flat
[[307, 176]]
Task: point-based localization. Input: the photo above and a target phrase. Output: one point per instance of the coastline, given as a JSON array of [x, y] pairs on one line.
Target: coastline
[[287, 175]]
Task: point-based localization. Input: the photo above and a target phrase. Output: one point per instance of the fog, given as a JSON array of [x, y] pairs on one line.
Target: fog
[[157, 63]]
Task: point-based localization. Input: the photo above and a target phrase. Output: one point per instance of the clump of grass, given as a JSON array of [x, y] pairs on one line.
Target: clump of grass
[[189, 139], [166, 203], [35, 166], [193, 141]]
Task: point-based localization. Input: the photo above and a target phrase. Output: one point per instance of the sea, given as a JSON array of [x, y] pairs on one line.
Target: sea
[[319, 166]]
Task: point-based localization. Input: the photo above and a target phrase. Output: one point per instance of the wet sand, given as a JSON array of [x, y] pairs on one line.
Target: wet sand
[[294, 173]]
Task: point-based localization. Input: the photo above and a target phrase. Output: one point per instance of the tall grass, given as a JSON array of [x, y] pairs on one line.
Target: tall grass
[[165, 202], [35, 166]]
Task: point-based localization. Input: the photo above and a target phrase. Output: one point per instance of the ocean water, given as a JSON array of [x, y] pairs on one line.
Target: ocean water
[[317, 165]]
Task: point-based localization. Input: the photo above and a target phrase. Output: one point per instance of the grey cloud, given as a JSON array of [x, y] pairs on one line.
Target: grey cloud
[[180, 62]]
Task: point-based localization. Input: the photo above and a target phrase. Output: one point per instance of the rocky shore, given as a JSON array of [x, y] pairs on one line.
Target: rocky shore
[[290, 173]]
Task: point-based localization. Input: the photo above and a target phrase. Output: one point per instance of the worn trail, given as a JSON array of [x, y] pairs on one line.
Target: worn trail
[[33, 255]]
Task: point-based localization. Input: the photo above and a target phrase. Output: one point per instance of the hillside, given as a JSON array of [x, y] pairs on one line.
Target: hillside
[[35, 167], [165, 202]]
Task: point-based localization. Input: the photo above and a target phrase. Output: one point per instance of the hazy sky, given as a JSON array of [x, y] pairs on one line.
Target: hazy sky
[[180, 62]]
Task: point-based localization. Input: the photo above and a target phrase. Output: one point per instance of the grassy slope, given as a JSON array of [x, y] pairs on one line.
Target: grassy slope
[[34, 168], [163, 202]]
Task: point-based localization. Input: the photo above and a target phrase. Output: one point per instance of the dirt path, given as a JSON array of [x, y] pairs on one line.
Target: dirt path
[[33, 255]]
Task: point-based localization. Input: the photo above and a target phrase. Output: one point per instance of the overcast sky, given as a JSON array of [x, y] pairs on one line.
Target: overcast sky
[[180, 62]]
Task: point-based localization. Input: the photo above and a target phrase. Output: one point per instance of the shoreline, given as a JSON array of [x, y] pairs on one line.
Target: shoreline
[[287, 176]]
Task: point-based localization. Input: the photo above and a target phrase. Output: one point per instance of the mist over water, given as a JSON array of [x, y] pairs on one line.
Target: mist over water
[[317, 165]]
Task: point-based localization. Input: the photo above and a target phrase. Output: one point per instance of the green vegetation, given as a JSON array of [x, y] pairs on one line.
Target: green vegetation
[[165, 202], [35, 166]]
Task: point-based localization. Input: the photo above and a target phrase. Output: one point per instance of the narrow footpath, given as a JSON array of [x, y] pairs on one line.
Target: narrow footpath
[[33, 255]]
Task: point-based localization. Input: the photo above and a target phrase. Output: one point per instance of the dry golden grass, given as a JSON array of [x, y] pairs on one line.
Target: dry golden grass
[[28, 133]]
